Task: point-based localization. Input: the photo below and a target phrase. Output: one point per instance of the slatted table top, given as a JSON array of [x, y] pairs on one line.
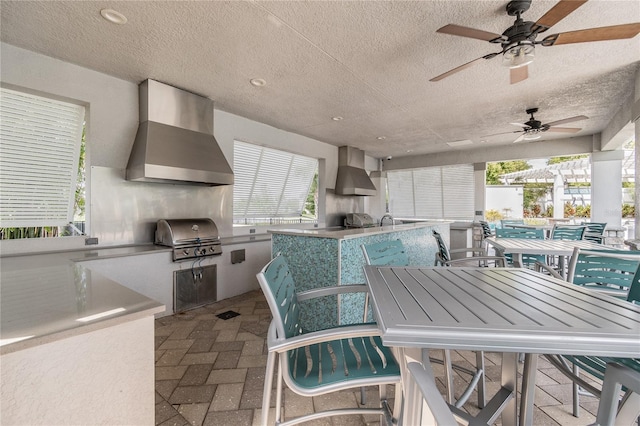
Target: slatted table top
[[499, 309], [547, 247]]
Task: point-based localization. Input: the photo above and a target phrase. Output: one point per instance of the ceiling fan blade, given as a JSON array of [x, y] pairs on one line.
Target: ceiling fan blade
[[520, 138], [563, 129], [519, 74], [461, 67], [519, 125], [567, 120], [557, 13], [458, 30], [614, 32]]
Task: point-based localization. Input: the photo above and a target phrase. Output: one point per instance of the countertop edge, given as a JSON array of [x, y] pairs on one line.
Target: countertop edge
[[155, 307], [356, 232]]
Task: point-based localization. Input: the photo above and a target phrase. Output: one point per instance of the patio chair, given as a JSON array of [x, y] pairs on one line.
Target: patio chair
[[567, 232], [609, 271], [594, 231], [392, 253], [616, 272], [324, 361], [486, 233], [444, 254], [616, 377], [421, 385], [527, 259], [506, 222]]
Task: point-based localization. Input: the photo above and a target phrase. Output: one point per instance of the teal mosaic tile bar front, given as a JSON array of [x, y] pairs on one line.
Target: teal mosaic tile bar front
[[313, 263], [421, 250], [319, 262]]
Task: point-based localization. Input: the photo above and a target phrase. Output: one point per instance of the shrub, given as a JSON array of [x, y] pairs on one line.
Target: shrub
[[628, 210], [493, 215]]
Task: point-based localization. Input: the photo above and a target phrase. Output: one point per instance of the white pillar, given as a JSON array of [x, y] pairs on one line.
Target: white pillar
[[558, 195], [637, 186], [480, 189], [606, 187]]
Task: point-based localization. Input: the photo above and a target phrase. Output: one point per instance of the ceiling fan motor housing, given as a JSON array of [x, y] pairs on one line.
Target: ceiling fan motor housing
[[518, 6]]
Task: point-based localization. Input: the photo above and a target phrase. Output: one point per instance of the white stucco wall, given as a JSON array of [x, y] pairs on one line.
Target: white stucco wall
[[505, 197]]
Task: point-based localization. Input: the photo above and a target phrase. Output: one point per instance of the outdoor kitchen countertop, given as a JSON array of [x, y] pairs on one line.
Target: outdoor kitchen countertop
[[45, 298], [341, 233]]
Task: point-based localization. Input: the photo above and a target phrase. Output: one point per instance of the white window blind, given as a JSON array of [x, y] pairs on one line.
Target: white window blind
[[433, 192], [39, 153], [270, 183]]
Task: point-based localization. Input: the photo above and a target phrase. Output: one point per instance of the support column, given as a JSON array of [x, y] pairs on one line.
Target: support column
[[480, 190], [558, 195], [606, 187]]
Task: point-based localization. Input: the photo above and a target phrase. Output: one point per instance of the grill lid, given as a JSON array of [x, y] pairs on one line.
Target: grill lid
[[181, 232]]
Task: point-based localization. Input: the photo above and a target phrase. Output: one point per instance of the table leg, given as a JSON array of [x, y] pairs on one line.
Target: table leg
[[517, 260], [509, 381], [561, 262], [528, 389]]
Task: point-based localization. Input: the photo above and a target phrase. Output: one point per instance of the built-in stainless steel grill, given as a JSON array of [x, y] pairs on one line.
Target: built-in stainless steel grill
[[190, 238]]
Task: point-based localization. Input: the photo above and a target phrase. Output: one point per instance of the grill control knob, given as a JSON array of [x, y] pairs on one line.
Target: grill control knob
[[185, 252]]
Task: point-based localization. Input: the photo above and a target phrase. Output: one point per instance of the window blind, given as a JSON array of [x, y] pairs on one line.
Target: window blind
[[269, 182], [433, 192], [39, 153]]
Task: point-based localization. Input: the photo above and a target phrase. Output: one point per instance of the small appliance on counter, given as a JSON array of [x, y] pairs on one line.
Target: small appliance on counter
[[359, 220]]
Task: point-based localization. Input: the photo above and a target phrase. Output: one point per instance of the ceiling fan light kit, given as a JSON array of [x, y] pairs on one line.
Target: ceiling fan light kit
[[519, 40], [519, 55]]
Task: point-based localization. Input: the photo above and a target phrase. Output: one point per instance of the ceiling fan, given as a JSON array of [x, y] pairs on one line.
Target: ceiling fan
[[533, 128], [519, 40]]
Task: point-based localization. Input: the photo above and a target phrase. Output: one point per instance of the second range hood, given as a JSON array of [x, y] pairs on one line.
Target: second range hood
[[175, 142], [352, 178]]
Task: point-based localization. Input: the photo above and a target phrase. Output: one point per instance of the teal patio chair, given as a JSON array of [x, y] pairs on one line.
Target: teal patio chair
[[616, 272], [506, 222], [320, 362], [527, 233], [444, 254], [392, 253], [595, 231], [567, 232]]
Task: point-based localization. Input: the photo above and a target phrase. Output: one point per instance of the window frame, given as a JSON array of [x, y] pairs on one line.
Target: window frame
[[421, 193], [49, 120], [271, 190]]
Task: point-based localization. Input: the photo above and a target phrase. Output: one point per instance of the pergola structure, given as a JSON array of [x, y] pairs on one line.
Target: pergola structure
[[560, 174], [574, 171]]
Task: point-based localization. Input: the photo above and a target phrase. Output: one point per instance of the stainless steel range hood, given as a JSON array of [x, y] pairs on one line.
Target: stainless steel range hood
[[175, 142], [352, 178]]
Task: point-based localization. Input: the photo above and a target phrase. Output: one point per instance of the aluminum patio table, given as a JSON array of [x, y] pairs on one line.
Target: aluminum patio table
[[507, 310], [561, 248]]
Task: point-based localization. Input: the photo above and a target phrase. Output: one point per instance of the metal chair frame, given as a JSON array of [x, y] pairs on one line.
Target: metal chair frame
[[323, 361], [616, 272]]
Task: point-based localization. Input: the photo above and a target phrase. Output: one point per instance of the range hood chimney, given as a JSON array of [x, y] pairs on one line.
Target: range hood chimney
[[175, 142], [352, 177]]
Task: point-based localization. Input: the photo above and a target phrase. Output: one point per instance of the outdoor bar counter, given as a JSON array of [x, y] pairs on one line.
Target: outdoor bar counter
[[328, 257], [70, 334]]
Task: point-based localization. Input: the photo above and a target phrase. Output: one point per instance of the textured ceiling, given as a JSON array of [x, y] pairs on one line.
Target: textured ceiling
[[366, 61]]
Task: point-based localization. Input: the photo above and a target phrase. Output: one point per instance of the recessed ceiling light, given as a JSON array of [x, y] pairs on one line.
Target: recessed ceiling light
[[258, 82], [409, 150], [336, 118], [113, 16], [381, 138]]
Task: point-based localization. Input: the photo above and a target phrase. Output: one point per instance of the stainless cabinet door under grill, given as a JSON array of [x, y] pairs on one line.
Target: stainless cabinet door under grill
[[194, 287]]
